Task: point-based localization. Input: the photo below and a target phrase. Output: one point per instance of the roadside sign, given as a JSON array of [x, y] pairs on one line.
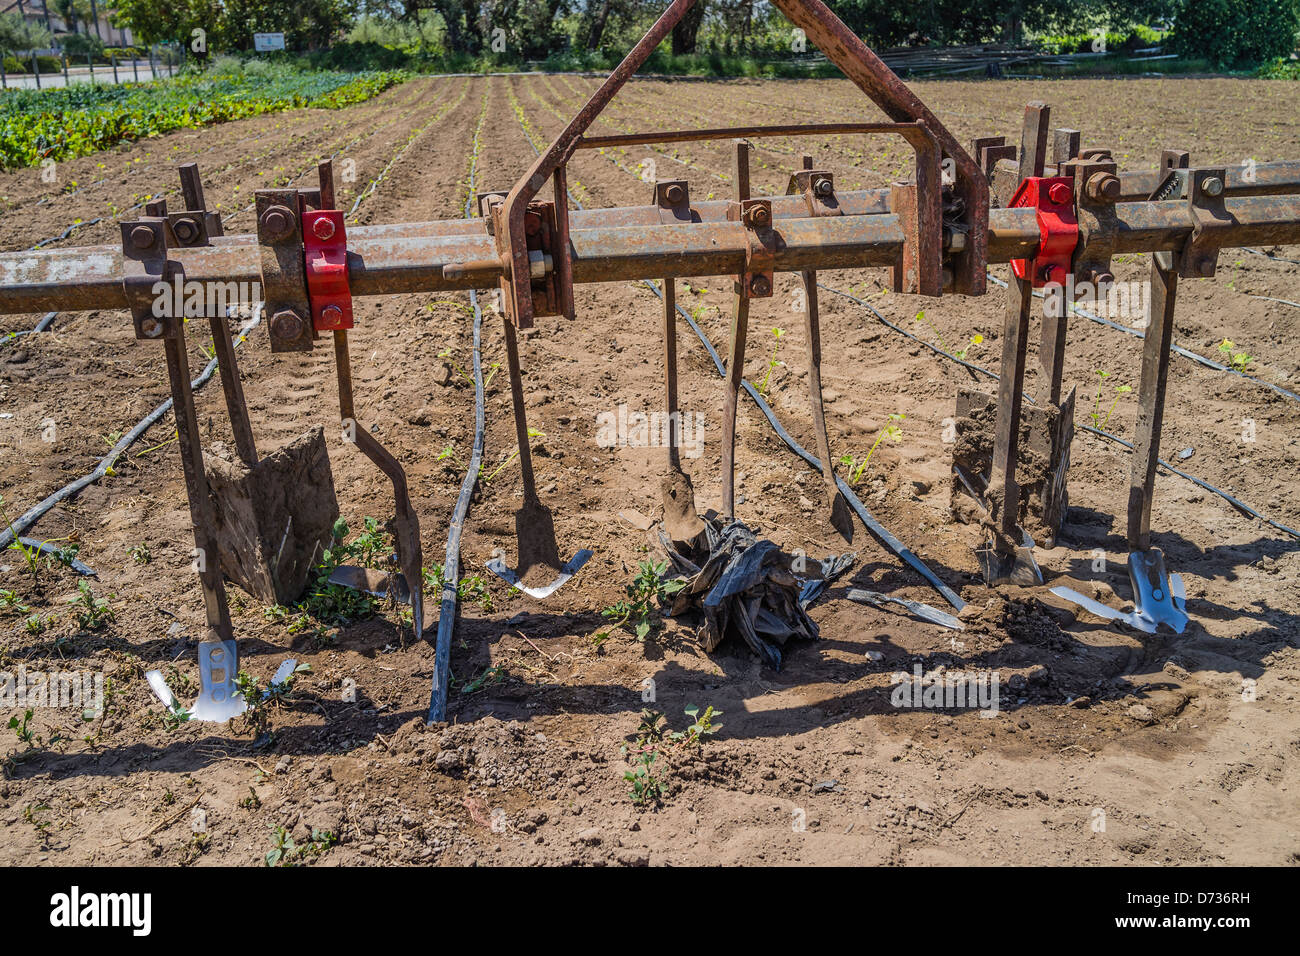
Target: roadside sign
[[266, 42]]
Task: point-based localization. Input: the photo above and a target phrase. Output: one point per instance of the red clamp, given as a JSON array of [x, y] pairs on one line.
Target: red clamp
[[1058, 228], [325, 245]]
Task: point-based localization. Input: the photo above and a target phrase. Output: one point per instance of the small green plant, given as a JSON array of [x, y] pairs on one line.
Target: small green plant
[[286, 852], [487, 379], [1238, 361], [975, 340], [702, 726], [891, 430], [472, 589], [91, 613], [1098, 420], [772, 362], [492, 675], [532, 433], [141, 554], [10, 605], [35, 624], [645, 787], [639, 613], [24, 732]]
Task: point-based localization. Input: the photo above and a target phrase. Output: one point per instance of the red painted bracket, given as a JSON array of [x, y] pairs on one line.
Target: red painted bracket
[[1058, 228], [325, 246]]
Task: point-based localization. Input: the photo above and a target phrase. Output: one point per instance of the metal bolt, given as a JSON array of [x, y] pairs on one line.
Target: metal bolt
[[187, 230], [278, 222], [142, 237], [759, 215], [1060, 193], [1055, 275], [331, 315], [1206, 266], [760, 285], [1212, 186], [824, 187], [151, 327], [1103, 187], [287, 325], [674, 194], [323, 228]]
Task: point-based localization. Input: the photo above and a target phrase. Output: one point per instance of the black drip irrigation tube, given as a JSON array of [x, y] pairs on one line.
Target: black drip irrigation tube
[[451, 560], [1176, 348], [1236, 503], [879, 531], [72, 489], [42, 326]]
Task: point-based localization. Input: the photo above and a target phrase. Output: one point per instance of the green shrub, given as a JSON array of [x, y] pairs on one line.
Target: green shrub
[[1236, 33]]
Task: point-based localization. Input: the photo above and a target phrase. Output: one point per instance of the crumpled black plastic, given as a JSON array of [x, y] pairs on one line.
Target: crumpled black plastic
[[746, 586]]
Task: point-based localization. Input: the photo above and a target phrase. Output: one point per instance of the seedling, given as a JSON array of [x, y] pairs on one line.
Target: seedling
[[141, 554], [975, 340], [891, 430], [1238, 361], [702, 726], [91, 613], [492, 675], [639, 613], [532, 433], [286, 852], [1098, 421], [772, 362], [472, 589], [11, 605], [920, 317], [487, 379]]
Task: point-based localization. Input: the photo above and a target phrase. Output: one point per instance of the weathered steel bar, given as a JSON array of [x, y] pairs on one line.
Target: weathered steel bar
[[906, 130], [416, 257], [1151, 403]]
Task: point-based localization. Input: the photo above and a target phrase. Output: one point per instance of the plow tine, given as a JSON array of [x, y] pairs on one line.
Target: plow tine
[[534, 523], [406, 526], [681, 519], [735, 374], [838, 514]]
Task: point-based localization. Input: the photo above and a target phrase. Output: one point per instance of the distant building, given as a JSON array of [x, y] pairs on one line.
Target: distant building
[[38, 11]]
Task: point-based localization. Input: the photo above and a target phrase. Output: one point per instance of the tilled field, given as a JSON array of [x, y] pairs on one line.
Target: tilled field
[[1109, 747]]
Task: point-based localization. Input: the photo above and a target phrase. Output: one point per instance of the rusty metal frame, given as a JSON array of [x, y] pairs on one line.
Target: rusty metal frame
[[847, 51]]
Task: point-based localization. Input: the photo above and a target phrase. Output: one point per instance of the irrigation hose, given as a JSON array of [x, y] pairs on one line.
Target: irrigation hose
[[72, 489], [451, 560], [1176, 348], [1236, 503]]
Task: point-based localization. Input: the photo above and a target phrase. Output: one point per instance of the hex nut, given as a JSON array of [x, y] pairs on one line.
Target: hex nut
[[1060, 193], [760, 285], [278, 222], [323, 228], [824, 187], [331, 314], [187, 230], [151, 327], [674, 194], [287, 325], [142, 237], [1103, 187], [759, 215], [1212, 186]]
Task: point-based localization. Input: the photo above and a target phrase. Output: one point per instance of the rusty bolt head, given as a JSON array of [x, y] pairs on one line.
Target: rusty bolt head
[[142, 237], [151, 327], [760, 285], [323, 229], [823, 187], [278, 222], [1103, 187], [187, 230], [1206, 266], [287, 325], [674, 194], [331, 314], [759, 215], [1212, 186], [1060, 193]]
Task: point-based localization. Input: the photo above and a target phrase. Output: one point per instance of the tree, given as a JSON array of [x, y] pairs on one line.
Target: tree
[[18, 34], [1236, 32], [687, 30]]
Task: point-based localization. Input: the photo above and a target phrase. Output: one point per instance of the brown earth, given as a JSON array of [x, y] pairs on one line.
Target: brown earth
[[1153, 735]]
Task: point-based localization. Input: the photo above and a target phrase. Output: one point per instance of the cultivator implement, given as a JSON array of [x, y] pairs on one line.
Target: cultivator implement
[[1059, 222]]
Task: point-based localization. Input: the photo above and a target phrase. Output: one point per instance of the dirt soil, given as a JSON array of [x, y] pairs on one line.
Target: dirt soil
[[1108, 745]]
